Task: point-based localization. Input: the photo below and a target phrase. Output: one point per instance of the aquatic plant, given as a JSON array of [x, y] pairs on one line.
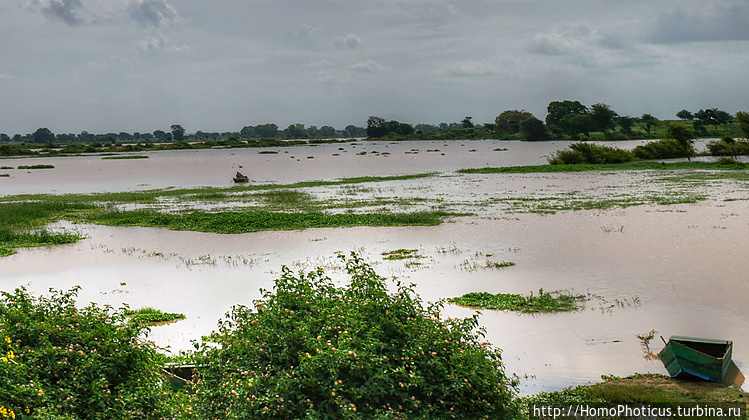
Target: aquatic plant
[[400, 254], [543, 302], [36, 167], [150, 316], [126, 157]]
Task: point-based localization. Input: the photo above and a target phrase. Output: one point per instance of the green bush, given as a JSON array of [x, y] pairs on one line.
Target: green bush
[[311, 349], [662, 149], [58, 360], [590, 153], [727, 146]]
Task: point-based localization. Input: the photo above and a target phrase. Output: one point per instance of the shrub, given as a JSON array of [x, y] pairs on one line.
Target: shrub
[[590, 153], [58, 360], [727, 146], [311, 349], [662, 149]]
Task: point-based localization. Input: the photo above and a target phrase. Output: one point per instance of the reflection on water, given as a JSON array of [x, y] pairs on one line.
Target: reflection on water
[[676, 269]]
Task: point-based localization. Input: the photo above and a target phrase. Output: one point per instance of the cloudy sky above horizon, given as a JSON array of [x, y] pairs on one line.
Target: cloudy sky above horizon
[[142, 65]]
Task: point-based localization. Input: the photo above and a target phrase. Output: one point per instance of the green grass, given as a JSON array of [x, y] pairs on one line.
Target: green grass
[[256, 221], [400, 254], [150, 316], [127, 157], [543, 302], [4, 175], [585, 167], [36, 167]]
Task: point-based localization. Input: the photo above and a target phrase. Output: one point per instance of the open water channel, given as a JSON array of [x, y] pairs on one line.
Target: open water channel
[[678, 269]]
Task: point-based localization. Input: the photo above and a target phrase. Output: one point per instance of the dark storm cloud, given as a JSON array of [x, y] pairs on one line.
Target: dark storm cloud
[[714, 21], [153, 13], [59, 10]]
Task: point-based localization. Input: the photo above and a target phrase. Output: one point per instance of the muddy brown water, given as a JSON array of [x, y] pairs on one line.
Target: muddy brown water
[[679, 269]]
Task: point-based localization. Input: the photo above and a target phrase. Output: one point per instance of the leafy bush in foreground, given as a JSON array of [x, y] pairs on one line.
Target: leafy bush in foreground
[[58, 361], [311, 349], [590, 153]]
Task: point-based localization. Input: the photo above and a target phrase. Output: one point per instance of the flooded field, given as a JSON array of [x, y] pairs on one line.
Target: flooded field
[[676, 266]]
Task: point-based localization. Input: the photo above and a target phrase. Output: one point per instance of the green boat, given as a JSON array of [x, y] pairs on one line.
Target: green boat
[[697, 358]]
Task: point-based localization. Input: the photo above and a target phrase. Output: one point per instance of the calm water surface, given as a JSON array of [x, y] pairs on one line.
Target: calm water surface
[[678, 269]]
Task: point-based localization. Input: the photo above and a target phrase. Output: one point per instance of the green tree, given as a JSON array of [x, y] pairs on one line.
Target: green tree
[[648, 122], [159, 134], [508, 122], [467, 123], [43, 135], [376, 127], [248, 132], [625, 124], [575, 124], [560, 109], [296, 131], [534, 129], [269, 130], [743, 119], [327, 132], [604, 118], [312, 348], [684, 137], [178, 133], [4, 138], [685, 115]]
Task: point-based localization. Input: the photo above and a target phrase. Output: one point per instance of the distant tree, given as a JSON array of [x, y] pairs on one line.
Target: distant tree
[[43, 135], [269, 130], [533, 129], [296, 131], [648, 122], [17, 138], [247, 132], [443, 126], [508, 122], [4, 138], [575, 124], [559, 109], [354, 131], [376, 127], [713, 116], [685, 115], [159, 134], [743, 119], [467, 123], [66, 138], [426, 128], [603, 117], [625, 124], [125, 136], [684, 136], [178, 133], [326, 131]]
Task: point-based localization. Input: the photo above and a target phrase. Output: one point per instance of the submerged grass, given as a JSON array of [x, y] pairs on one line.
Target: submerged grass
[[400, 254], [543, 302], [584, 167], [119, 157], [151, 316]]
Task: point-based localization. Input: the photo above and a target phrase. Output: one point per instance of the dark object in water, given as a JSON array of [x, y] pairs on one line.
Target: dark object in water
[[178, 375], [239, 177], [697, 358]]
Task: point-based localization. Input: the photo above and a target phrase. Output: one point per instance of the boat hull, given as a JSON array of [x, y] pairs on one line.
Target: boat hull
[[697, 358]]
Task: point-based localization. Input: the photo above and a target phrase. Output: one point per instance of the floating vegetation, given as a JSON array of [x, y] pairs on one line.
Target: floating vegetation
[[450, 249], [556, 301], [268, 152], [36, 167], [481, 261], [6, 167], [400, 254], [126, 157], [151, 316], [612, 229], [4, 175], [502, 149]]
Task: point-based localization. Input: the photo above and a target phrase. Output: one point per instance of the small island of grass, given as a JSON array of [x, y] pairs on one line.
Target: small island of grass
[[543, 302], [151, 316], [126, 157]]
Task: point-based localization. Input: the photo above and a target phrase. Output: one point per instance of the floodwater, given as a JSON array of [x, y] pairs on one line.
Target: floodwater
[[678, 269]]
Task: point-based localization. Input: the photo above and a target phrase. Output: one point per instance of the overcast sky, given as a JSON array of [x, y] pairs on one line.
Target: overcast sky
[[219, 65]]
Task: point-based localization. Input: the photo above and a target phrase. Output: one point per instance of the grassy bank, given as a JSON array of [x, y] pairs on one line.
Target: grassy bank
[[586, 167]]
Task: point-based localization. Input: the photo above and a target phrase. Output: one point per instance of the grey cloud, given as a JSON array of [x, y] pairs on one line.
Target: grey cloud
[[469, 69], [304, 36], [369, 66], [348, 41], [61, 10], [154, 13], [715, 21]]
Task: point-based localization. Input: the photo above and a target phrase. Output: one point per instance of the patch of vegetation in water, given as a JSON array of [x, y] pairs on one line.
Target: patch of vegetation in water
[[125, 157], [587, 167], [267, 152], [21, 224], [36, 167], [4, 175], [543, 302], [256, 221], [151, 316], [400, 254]]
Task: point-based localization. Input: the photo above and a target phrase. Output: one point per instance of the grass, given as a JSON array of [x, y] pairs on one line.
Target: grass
[[36, 167], [256, 221], [586, 167], [126, 157], [648, 388], [151, 316], [4, 175], [543, 302], [400, 254]]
